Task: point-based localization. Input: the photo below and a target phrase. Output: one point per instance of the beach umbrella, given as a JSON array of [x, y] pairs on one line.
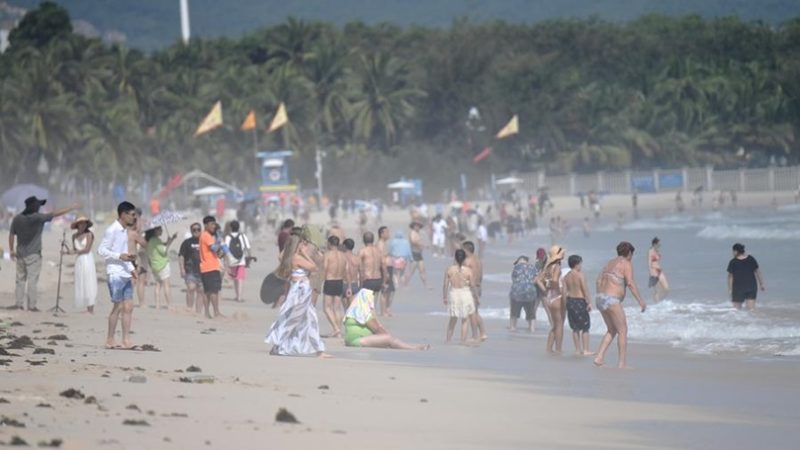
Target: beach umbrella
[[401, 185], [15, 196], [510, 180], [209, 190]]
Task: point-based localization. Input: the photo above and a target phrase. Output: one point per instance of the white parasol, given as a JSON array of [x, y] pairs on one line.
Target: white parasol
[[510, 180], [401, 185]]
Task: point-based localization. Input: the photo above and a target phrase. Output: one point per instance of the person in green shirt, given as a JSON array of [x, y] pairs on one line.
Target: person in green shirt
[[158, 253]]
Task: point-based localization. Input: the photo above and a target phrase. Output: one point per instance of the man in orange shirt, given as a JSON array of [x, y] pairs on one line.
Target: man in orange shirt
[[210, 253]]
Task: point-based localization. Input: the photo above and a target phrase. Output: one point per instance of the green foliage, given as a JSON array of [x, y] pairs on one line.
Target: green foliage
[[40, 26], [386, 101]]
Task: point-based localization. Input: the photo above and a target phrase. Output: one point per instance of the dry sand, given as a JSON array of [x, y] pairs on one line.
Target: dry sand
[[505, 394]]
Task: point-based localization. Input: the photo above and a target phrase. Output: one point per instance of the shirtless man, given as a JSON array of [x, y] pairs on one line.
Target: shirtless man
[[336, 230], [371, 270], [388, 268], [416, 252], [334, 287], [353, 269], [474, 264], [578, 305]]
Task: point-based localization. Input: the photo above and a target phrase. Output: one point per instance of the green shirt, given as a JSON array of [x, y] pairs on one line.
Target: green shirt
[[157, 252]]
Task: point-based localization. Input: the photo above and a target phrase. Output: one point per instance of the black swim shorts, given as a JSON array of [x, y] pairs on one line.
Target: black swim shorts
[[417, 256], [334, 288], [375, 285], [741, 296], [212, 282]]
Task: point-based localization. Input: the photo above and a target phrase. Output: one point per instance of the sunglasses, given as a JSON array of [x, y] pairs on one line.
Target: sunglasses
[[195, 230]]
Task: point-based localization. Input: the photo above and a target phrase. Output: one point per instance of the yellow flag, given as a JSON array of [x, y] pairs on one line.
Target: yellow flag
[[212, 120], [279, 120], [512, 127], [249, 121]]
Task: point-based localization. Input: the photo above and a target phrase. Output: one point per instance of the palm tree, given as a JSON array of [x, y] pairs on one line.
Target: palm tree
[[384, 98]]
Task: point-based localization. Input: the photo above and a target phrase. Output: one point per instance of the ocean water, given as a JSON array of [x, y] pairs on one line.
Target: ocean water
[[696, 315]]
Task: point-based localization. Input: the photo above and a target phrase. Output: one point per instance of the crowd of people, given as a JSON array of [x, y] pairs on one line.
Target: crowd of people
[[358, 287]]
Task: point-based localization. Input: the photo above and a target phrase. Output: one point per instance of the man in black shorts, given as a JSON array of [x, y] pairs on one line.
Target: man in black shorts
[[415, 238], [210, 276]]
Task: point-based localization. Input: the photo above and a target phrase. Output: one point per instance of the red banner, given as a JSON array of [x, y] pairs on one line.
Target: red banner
[[482, 155]]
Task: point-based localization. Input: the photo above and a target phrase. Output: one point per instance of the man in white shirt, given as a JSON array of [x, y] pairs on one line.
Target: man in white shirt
[[119, 259], [438, 235], [483, 237]]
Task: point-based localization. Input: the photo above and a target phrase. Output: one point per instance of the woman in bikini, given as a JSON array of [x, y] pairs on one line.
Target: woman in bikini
[[553, 301], [458, 294], [614, 279], [657, 281]]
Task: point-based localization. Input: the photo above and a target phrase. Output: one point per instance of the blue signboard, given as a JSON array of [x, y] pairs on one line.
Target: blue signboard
[[643, 183], [670, 181]]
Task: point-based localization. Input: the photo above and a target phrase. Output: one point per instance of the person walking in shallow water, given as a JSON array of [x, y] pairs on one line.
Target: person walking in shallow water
[[657, 281], [614, 279], [744, 278], [549, 281]]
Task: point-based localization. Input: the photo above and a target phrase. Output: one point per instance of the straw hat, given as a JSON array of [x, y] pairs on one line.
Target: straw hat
[[556, 254], [80, 219]]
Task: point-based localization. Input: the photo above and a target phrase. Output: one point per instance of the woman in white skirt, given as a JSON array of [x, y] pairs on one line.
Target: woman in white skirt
[[85, 274], [459, 296]]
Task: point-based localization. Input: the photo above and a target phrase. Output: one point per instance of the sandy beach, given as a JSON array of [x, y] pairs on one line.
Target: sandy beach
[[506, 393]]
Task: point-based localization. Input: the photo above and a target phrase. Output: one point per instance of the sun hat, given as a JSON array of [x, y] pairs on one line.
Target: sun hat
[[556, 254], [80, 219]]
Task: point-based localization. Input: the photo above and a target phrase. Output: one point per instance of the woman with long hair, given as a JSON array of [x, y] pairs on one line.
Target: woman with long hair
[[549, 282], [85, 272], [296, 330], [614, 279], [657, 281]]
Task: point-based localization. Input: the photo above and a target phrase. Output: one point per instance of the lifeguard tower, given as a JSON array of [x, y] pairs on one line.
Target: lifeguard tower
[[275, 171]]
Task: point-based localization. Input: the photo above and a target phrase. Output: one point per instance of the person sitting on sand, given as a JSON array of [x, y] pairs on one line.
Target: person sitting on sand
[[460, 296], [362, 328], [549, 282], [614, 279], [578, 305]]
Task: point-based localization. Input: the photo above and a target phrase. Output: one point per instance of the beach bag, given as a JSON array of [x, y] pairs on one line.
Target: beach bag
[[272, 288], [236, 247]]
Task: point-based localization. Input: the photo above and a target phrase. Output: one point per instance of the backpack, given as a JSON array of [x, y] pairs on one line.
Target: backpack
[[236, 248]]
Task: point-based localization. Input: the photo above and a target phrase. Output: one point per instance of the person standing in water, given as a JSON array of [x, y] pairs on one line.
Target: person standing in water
[[744, 278], [578, 305], [460, 296], [523, 293], [614, 279], [472, 261], [657, 281], [549, 282]]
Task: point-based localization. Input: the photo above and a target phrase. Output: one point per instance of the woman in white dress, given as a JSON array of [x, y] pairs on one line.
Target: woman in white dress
[[85, 274], [296, 330]]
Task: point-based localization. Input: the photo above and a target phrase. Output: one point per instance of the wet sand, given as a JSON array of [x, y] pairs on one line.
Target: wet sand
[[507, 393]]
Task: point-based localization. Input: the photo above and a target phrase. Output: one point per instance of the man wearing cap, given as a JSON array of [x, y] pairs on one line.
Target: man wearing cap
[[27, 227]]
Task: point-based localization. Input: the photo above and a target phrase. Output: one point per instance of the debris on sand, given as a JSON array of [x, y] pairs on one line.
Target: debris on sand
[[137, 423], [3, 352], [137, 379], [36, 363], [133, 407], [44, 405], [5, 362], [20, 343], [73, 393], [149, 348], [55, 443], [17, 441], [90, 400], [285, 416], [183, 415], [44, 351], [323, 387], [2, 400], [423, 400], [58, 337], [193, 369], [9, 422], [202, 379], [17, 324]]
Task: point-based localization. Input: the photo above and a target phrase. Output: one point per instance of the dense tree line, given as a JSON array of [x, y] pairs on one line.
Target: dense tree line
[[655, 92]]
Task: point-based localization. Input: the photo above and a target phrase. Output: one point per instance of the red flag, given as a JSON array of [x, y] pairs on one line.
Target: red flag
[[482, 155]]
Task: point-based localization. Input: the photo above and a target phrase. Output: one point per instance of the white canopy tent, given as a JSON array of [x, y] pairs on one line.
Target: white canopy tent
[[509, 180], [209, 190], [401, 185]]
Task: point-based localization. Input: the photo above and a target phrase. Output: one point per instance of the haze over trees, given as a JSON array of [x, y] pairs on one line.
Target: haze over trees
[[386, 101]]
